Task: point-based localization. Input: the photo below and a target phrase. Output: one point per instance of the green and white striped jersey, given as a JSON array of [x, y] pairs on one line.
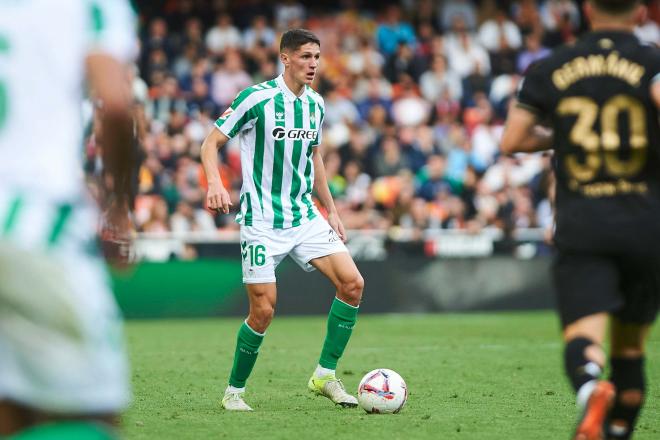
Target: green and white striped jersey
[[277, 134], [43, 48]]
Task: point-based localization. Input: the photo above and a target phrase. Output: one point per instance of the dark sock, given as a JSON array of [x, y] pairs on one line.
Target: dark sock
[[627, 375], [579, 369]]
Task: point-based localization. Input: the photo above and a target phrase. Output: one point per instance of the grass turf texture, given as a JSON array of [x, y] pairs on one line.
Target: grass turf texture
[[470, 376]]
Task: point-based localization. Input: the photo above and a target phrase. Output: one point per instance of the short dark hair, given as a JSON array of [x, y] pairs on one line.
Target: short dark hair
[[615, 6], [294, 38]]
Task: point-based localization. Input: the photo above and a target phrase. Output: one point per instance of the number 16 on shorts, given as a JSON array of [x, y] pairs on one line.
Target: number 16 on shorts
[[254, 254]]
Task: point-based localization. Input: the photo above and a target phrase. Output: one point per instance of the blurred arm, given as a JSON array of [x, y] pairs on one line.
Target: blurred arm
[[522, 134], [109, 84]]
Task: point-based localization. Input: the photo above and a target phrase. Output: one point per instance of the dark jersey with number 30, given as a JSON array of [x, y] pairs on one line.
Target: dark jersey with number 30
[[596, 96]]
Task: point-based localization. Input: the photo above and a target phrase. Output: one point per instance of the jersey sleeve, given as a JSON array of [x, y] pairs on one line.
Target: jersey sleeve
[[533, 92], [238, 117], [111, 28]]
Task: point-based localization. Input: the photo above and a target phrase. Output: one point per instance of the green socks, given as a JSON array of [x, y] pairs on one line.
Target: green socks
[[247, 349], [341, 321]]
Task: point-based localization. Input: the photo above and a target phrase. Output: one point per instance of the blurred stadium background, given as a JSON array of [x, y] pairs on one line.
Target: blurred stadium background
[[416, 93]]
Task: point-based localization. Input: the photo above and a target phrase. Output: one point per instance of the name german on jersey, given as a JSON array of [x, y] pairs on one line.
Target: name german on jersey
[[597, 65]]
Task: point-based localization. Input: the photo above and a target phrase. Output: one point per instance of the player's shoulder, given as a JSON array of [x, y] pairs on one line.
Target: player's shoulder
[[257, 92]]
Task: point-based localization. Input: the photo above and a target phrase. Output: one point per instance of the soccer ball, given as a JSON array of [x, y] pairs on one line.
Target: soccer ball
[[382, 391]]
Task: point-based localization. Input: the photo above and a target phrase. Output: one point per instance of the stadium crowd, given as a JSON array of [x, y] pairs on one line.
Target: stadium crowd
[[416, 93]]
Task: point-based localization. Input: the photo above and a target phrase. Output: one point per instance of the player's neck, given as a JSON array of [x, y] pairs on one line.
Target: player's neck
[[293, 85]]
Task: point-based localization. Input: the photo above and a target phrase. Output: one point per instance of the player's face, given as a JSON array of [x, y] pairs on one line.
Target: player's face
[[303, 62]]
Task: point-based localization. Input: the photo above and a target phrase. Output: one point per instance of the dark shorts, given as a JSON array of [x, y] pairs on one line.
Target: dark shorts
[[628, 287]]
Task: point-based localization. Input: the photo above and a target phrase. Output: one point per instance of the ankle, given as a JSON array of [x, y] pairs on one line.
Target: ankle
[[322, 372], [233, 390]]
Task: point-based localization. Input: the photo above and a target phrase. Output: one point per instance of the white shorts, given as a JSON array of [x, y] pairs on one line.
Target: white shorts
[[263, 248], [61, 342]]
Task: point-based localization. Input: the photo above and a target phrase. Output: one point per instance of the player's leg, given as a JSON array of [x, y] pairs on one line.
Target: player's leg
[[627, 374], [262, 249], [348, 282], [343, 273], [67, 317], [262, 297], [586, 291], [640, 283]]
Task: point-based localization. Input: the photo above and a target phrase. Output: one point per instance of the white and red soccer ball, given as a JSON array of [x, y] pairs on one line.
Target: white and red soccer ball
[[382, 391]]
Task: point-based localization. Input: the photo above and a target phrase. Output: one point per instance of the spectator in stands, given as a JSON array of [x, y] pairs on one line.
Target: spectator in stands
[[229, 79], [287, 13], [502, 39], [533, 51], [389, 160], [339, 109], [561, 19], [392, 31], [439, 79], [200, 99], [224, 35], [404, 61], [409, 108], [648, 30], [166, 101], [466, 56], [187, 219], [366, 57], [258, 34], [452, 10], [433, 179], [158, 220]]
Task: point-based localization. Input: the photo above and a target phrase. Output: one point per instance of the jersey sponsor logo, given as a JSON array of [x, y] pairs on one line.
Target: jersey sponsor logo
[[227, 112], [280, 133]]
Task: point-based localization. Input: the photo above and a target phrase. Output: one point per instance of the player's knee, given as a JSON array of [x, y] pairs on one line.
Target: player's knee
[[351, 288], [261, 317]]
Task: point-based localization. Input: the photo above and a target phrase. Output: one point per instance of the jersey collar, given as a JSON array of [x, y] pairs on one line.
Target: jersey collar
[[287, 93]]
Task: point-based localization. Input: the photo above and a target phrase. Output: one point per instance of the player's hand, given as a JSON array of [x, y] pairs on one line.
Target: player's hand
[[217, 198], [336, 224], [117, 236]]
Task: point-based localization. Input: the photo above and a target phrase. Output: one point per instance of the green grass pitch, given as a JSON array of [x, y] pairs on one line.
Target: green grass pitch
[[470, 376]]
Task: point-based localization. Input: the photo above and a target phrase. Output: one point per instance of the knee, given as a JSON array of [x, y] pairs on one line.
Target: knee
[[261, 317], [352, 287]]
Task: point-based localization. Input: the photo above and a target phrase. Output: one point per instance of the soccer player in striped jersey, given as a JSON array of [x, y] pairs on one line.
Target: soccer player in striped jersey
[[279, 127], [63, 370]]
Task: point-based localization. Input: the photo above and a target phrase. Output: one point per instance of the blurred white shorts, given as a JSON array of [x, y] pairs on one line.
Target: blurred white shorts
[[61, 341], [263, 248]]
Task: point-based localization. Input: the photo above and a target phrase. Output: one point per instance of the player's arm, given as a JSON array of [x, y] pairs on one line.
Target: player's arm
[[323, 193], [109, 85], [217, 196], [655, 91], [522, 134]]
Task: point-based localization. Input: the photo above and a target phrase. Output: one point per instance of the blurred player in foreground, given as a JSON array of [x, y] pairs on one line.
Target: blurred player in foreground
[[279, 127], [63, 370], [601, 98]]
